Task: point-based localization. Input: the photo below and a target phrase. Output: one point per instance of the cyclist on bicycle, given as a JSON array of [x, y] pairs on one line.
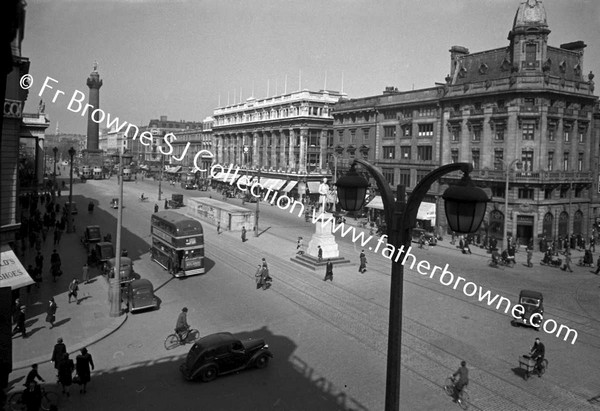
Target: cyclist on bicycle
[[461, 381], [142, 198], [538, 352], [182, 325]]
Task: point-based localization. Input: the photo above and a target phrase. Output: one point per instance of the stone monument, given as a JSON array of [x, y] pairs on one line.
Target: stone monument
[[93, 154], [323, 236]]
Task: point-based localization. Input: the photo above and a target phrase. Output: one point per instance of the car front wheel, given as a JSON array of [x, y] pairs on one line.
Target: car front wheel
[[262, 361], [208, 374]]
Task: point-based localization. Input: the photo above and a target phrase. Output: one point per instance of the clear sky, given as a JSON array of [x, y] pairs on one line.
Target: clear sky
[[174, 58]]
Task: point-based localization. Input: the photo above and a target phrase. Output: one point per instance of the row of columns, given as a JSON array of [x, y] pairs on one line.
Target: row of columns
[[230, 149]]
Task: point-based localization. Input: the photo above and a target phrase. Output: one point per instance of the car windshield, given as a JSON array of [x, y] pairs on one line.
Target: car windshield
[[530, 301], [94, 232], [142, 291]]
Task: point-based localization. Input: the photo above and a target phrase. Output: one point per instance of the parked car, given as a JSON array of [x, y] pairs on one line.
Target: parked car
[[533, 303], [222, 353], [139, 295], [104, 252], [429, 237], [91, 236], [176, 201], [126, 272], [189, 185]]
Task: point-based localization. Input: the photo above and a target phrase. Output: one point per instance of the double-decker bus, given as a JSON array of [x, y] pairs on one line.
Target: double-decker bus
[[177, 243]]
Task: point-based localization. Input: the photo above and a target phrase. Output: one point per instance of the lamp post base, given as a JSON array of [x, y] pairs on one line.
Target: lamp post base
[[114, 296]]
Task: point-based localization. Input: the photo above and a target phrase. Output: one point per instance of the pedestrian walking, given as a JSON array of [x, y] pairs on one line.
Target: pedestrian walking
[[39, 261], [51, 312], [83, 366], [166, 204], [21, 323], [15, 310], [57, 353], [243, 234], [363, 262], [529, 256], [328, 271], [299, 246], [567, 265], [319, 253], [258, 276], [73, 289], [156, 208], [598, 265], [218, 227], [65, 373], [85, 273]]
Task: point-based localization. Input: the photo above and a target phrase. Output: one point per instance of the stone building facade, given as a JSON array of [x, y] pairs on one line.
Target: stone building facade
[[527, 104], [287, 137], [188, 146]]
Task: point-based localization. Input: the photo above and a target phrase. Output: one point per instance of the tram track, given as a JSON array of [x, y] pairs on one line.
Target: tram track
[[373, 324]]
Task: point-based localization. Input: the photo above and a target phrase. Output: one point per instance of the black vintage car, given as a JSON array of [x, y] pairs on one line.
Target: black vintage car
[[222, 353], [533, 309]]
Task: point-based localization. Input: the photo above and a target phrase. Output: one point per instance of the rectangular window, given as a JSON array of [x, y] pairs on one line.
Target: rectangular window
[[551, 134], [388, 174], [499, 135], [407, 130], [475, 158], [564, 192], [530, 51], [529, 101], [405, 153], [313, 138], [352, 136], [389, 152], [454, 154], [548, 193], [476, 134], [580, 136], [498, 191], [528, 130], [389, 132], [550, 165], [407, 113], [526, 193], [330, 139], [527, 160], [427, 111], [424, 153], [365, 134], [421, 174], [426, 130], [389, 115], [567, 135], [455, 135], [580, 162], [405, 177], [498, 159], [565, 161]]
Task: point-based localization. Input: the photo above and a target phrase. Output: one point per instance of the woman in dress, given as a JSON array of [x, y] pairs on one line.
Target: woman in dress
[[83, 365]]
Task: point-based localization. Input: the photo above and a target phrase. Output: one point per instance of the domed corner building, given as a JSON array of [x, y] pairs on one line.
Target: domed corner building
[[528, 104]]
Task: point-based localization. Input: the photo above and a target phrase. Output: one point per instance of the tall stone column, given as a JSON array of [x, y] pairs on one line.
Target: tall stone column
[[302, 156], [220, 140], [292, 160], [94, 83], [282, 155], [255, 156], [323, 151], [274, 145]]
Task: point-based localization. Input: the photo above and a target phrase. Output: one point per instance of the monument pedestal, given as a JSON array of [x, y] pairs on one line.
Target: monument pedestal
[[322, 237]]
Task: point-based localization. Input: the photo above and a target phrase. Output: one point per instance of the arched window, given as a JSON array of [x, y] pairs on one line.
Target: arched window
[[563, 224], [578, 222], [547, 225]]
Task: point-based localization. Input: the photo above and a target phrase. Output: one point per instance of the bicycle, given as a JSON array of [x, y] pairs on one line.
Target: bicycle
[[49, 398], [174, 340], [463, 396]]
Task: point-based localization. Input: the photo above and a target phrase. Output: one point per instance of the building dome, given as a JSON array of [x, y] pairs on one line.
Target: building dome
[[531, 13]]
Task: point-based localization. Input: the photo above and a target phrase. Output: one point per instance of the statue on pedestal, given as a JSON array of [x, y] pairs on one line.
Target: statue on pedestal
[[323, 192]]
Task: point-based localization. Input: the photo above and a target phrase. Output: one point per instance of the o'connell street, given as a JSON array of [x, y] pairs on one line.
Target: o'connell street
[[366, 207]]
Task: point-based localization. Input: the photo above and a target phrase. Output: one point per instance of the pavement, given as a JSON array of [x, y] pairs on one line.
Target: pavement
[[78, 324]]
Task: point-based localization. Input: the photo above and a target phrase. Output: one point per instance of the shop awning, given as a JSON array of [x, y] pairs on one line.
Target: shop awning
[[12, 272], [313, 186], [220, 176], [375, 203], [174, 169], [426, 211], [244, 180], [289, 186], [275, 184]]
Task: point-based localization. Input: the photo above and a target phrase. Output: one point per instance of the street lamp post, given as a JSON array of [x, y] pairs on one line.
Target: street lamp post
[[69, 216], [115, 282], [465, 209], [55, 151], [162, 167], [257, 207], [505, 234]]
